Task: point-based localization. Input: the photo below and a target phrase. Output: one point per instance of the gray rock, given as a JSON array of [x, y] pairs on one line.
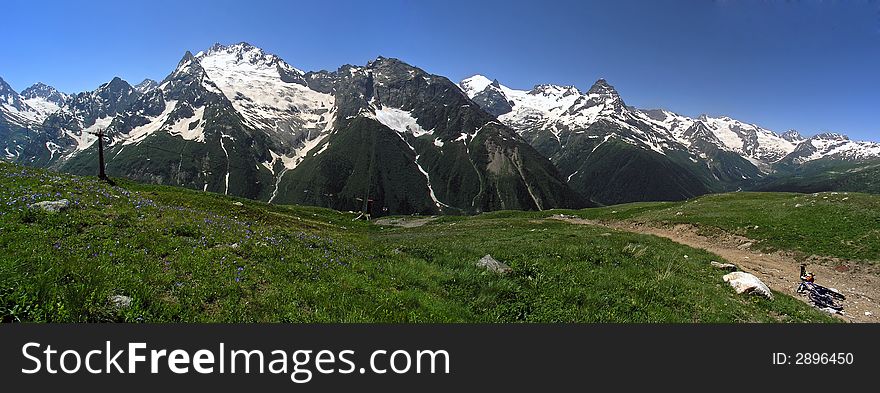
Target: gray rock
[[120, 301], [493, 265], [724, 266], [51, 206]]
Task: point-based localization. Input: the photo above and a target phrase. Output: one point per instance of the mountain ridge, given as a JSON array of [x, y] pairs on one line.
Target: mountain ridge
[[238, 120], [390, 138]]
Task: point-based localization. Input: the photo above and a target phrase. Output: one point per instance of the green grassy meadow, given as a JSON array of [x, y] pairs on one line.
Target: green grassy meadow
[[831, 224], [188, 256]]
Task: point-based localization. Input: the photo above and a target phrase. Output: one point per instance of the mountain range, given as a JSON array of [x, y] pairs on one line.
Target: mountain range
[[612, 153], [391, 138]]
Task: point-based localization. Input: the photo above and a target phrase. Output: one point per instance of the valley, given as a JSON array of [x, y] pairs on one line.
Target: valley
[[182, 255]]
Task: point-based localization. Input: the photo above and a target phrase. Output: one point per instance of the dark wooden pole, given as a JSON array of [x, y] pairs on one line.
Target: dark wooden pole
[[101, 174]]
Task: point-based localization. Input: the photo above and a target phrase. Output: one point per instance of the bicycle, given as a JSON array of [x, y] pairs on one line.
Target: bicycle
[[822, 297]]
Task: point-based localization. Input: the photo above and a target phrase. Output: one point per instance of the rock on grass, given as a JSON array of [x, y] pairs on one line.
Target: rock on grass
[[491, 264], [120, 301], [51, 206], [743, 282]]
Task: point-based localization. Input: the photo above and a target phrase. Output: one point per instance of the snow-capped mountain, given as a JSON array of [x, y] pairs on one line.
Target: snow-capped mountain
[[560, 110], [606, 150], [146, 85], [44, 99], [793, 136], [71, 128], [241, 121], [832, 146], [14, 108], [9, 99], [16, 121], [270, 94], [394, 139], [563, 123], [752, 142], [421, 145]]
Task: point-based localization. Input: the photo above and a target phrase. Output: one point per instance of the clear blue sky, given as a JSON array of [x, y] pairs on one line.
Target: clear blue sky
[[808, 65]]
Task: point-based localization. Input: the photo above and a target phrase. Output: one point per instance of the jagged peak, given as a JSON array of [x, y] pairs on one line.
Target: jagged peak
[[8, 95], [381, 61], [239, 46], [44, 91], [245, 53], [834, 136], [115, 84], [792, 136], [186, 64], [187, 58], [146, 85], [554, 90], [187, 67], [602, 87], [39, 86], [146, 81]]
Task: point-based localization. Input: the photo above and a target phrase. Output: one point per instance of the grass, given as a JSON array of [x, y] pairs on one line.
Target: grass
[[831, 224], [187, 256]]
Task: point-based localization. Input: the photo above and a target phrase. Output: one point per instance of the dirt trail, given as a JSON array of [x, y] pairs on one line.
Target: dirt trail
[[405, 222], [779, 271]]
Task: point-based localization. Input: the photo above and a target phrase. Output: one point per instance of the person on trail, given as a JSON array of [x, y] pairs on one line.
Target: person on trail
[[805, 275]]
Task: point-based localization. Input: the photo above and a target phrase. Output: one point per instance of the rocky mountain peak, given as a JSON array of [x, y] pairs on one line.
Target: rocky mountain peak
[[8, 96], [46, 92], [832, 136], [146, 85], [548, 90], [792, 136], [602, 87]]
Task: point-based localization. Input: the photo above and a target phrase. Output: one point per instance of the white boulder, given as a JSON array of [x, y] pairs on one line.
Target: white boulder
[[743, 282]]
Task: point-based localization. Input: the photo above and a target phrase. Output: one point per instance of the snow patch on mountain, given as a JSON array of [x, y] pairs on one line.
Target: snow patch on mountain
[[86, 137], [138, 134], [259, 86], [401, 121], [42, 107], [192, 128]]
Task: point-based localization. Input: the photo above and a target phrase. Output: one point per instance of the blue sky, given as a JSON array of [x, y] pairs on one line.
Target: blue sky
[[808, 65]]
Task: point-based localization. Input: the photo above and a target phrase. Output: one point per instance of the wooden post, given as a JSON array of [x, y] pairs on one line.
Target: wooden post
[[102, 174]]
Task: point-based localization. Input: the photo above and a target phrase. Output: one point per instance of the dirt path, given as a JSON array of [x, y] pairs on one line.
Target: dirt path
[[405, 222], [778, 270]]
